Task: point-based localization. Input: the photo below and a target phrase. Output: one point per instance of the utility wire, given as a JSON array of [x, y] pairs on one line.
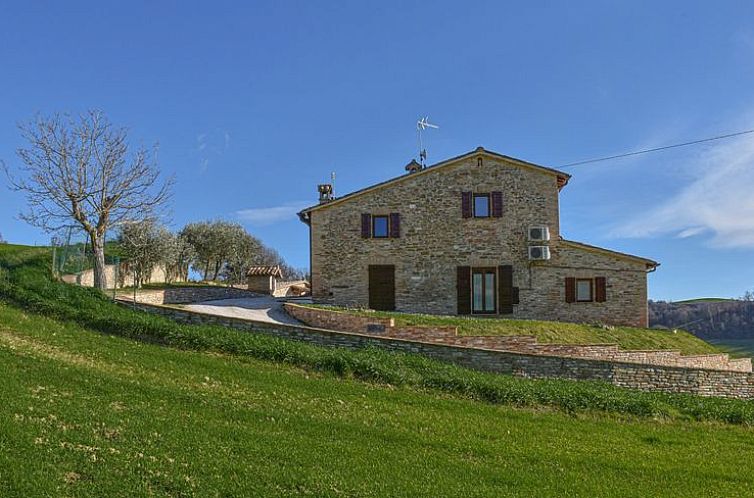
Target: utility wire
[[646, 151]]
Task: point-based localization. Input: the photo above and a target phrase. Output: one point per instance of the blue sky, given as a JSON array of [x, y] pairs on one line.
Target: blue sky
[[255, 103]]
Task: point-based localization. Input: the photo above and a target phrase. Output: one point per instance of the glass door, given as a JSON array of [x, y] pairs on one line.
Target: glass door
[[483, 290]]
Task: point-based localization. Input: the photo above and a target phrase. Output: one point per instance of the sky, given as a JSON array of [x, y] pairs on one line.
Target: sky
[[255, 103]]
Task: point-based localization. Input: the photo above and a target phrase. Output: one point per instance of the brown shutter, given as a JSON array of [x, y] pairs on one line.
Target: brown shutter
[[366, 225], [395, 225], [463, 287], [497, 204], [505, 289], [600, 289], [466, 204], [570, 290]]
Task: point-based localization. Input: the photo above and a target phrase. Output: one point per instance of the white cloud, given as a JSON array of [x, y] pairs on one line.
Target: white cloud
[[719, 200], [269, 215]]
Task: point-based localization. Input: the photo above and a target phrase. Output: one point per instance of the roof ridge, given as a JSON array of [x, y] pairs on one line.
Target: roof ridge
[[479, 150]]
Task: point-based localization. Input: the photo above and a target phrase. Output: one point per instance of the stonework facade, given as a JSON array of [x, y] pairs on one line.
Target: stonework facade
[[436, 240]]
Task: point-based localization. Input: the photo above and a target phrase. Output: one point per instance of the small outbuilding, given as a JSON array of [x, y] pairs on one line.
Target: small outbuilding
[[263, 279]]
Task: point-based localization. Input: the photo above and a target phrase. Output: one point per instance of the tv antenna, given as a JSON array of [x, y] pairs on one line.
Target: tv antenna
[[422, 125]]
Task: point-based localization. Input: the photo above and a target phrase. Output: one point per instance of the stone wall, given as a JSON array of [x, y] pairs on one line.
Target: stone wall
[[185, 295], [630, 375], [435, 239], [348, 322], [124, 277]]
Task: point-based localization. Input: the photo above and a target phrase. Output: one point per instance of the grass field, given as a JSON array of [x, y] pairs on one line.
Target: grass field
[[91, 415], [88, 410], [554, 332]]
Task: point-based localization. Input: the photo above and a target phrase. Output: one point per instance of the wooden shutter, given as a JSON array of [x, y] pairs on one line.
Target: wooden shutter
[[395, 225], [497, 204], [570, 290], [466, 198], [366, 225], [463, 288], [600, 289], [505, 289]]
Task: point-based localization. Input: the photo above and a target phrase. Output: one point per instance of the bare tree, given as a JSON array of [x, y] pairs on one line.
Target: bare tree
[[83, 169]]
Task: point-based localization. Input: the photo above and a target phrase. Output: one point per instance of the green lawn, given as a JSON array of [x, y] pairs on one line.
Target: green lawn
[[98, 400], [555, 332], [91, 415]]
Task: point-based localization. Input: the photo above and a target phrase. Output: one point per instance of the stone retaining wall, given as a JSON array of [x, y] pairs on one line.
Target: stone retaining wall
[[348, 322], [185, 295], [630, 375]]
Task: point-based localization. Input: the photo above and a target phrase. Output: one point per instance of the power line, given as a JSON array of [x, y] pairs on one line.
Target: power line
[[646, 151]]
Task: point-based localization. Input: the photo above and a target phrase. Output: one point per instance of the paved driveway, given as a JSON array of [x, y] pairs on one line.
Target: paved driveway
[[263, 309]]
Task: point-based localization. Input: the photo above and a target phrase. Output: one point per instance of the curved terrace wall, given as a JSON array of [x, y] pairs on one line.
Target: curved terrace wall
[[348, 322], [631, 375]]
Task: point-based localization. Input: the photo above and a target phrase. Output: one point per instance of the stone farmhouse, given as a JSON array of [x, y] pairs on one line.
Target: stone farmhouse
[[478, 234]]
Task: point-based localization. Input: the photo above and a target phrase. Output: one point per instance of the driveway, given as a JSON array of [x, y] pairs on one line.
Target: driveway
[[263, 309]]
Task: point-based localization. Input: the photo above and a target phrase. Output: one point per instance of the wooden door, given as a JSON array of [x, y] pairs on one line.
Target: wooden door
[[382, 287]]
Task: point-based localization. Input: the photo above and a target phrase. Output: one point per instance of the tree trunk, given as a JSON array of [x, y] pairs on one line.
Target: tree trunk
[[206, 271], [100, 279], [217, 270]]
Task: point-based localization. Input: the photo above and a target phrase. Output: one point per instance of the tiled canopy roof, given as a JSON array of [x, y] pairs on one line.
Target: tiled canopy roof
[[272, 271]]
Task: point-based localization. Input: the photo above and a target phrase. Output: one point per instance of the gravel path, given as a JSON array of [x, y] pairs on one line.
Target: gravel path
[[263, 309]]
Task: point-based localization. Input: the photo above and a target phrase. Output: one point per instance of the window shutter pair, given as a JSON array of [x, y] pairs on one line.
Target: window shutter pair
[[496, 201], [394, 230], [600, 289]]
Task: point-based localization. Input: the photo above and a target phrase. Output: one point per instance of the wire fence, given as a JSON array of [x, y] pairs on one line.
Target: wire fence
[[73, 258]]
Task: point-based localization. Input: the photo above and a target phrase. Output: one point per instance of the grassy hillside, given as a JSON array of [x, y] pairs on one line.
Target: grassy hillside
[[91, 408], [92, 415], [556, 332]]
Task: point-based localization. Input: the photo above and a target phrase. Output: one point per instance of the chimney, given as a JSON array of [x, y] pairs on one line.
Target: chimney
[[413, 166], [325, 193]]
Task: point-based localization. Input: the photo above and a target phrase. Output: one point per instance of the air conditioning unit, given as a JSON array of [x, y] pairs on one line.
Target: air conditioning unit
[[539, 233], [539, 253]]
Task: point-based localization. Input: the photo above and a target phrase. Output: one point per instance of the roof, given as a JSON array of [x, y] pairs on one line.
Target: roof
[[651, 264], [561, 176], [272, 271]]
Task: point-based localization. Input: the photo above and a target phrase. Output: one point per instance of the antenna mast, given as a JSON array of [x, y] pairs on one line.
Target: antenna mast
[[422, 125]]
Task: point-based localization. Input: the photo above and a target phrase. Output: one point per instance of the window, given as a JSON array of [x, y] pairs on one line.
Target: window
[[380, 226], [584, 290], [481, 205], [483, 290]]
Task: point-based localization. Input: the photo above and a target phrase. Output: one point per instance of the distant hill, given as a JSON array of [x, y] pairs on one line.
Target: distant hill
[[710, 318]]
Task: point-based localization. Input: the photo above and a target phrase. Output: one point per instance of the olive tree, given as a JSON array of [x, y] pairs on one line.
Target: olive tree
[[144, 245], [84, 169], [177, 256]]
